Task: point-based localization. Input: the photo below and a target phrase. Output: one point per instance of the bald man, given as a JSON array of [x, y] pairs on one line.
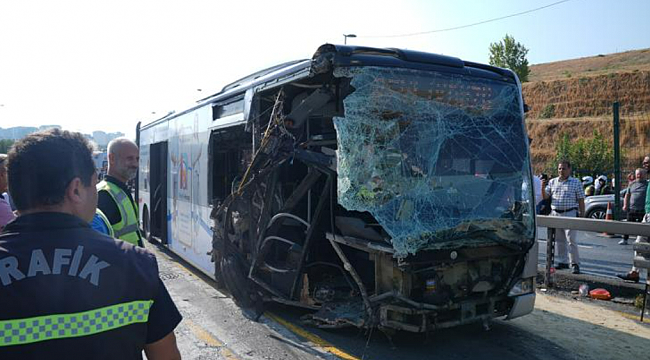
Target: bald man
[[114, 197]]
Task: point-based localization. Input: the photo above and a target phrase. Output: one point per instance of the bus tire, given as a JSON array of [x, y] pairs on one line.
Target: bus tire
[[240, 287], [218, 276]]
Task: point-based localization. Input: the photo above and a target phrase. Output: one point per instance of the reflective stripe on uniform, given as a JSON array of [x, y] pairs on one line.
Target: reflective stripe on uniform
[[60, 326], [120, 196], [125, 230]]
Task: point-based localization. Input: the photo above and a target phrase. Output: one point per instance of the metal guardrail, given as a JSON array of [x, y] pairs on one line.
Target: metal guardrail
[[605, 226], [642, 255]]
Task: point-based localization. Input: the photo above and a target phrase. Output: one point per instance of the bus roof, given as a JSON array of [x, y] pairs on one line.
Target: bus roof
[[349, 55]]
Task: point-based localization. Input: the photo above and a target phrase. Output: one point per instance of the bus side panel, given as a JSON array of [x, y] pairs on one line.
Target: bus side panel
[[189, 230]]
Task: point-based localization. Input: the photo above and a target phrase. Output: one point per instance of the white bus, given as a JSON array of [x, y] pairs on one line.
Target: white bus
[[377, 187]]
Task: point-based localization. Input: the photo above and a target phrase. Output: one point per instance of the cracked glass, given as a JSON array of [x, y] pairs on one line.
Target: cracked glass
[[439, 159]]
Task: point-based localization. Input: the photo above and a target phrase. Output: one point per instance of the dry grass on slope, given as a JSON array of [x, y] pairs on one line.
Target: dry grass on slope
[[628, 61], [634, 133], [588, 96]]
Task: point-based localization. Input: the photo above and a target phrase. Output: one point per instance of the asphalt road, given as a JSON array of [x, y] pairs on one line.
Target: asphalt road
[[213, 327], [599, 255], [504, 340]]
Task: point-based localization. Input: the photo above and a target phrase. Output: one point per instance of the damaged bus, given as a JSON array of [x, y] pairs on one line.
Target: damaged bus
[[377, 187]]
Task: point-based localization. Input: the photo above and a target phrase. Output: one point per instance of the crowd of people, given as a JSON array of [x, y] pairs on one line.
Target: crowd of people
[[68, 290], [637, 205], [599, 187], [565, 195]]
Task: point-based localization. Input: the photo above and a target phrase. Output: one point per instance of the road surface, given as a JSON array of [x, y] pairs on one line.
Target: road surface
[[599, 255]]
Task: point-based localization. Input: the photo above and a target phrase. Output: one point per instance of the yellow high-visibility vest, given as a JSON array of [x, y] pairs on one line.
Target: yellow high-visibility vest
[[127, 228]]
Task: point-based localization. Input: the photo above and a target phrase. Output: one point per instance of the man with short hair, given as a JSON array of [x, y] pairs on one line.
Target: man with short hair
[[6, 213], [115, 199], [67, 291], [634, 200], [568, 200], [634, 274]]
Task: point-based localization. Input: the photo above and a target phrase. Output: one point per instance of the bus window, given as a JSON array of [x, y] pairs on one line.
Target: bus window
[[230, 154]]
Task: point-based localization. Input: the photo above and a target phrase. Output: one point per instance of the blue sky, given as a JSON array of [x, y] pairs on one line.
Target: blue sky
[[90, 65]]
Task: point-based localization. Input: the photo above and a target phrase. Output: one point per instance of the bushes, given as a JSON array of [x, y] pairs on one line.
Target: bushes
[[593, 156], [548, 111]]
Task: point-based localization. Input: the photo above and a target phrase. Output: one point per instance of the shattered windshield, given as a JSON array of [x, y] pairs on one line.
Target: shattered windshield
[[438, 159]]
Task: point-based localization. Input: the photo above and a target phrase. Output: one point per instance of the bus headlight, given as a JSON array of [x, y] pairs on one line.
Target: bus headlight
[[522, 287]]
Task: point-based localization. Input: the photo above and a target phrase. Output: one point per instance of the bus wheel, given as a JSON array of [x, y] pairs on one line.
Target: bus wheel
[[241, 288], [218, 276]]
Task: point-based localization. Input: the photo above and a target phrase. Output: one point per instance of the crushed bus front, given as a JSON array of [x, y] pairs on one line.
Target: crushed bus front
[[384, 188]]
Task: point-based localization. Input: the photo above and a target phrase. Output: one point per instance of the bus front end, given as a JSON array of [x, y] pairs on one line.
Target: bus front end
[[439, 158]]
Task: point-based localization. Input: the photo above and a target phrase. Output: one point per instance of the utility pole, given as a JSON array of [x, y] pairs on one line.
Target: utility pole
[[617, 163]]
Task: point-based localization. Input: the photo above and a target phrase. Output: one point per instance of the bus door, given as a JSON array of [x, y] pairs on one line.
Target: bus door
[[158, 185]]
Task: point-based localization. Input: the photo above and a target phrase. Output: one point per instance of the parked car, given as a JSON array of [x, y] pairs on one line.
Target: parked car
[[596, 205]]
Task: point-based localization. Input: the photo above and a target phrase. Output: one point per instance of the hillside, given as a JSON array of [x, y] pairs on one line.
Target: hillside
[[575, 97], [629, 61], [588, 95]]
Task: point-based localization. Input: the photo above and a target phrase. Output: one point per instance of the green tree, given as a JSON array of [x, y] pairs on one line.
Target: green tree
[[5, 144], [511, 55], [593, 156]]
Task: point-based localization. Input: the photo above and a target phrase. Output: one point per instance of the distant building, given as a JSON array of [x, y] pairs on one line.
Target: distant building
[[101, 138], [16, 132]]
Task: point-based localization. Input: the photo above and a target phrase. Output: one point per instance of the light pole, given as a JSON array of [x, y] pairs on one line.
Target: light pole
[[346, 36]]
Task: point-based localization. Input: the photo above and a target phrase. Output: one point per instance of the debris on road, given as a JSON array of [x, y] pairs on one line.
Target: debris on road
[[600, 294]]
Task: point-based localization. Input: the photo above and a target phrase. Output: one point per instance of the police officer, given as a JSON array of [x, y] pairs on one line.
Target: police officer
[[115, 199], [67, 291]]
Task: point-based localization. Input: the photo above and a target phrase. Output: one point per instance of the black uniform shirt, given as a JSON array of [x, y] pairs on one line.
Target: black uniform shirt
[[54, 265]]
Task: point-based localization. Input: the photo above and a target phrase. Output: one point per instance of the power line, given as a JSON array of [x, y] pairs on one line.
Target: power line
[[465, 26]]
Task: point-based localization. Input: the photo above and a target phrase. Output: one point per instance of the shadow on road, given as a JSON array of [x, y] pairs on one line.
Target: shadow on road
[[541, 335]]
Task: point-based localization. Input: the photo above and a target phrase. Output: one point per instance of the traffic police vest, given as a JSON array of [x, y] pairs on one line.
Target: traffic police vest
[[127, 228], [67, 291]]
